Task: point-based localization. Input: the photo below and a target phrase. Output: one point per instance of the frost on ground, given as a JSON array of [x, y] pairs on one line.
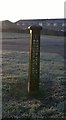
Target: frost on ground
[[50, 103]]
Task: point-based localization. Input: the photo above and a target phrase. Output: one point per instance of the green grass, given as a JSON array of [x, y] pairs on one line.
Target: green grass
[[11, 35], [16, 103]]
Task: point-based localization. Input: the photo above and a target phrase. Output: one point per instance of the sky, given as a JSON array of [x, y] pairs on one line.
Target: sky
[[15, 10]]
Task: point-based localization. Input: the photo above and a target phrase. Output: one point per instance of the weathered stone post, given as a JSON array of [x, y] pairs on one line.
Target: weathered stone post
[[34, 60]]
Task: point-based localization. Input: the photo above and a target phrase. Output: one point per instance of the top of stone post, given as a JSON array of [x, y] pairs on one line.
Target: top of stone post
[[34, 27]]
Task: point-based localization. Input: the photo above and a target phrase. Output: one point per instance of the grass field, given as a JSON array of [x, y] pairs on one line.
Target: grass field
[[15, 76], [16, 103]]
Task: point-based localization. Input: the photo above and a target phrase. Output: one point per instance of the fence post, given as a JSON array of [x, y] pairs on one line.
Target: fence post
[[34, 60]]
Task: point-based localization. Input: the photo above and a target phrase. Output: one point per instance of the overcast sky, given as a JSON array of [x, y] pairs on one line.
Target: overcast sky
[[14, 10]]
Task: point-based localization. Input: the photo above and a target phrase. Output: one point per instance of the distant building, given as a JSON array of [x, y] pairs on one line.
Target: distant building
[[23, 24], [40, 24], [18, 24], [62, 24], [55, 24], [48, 24]]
